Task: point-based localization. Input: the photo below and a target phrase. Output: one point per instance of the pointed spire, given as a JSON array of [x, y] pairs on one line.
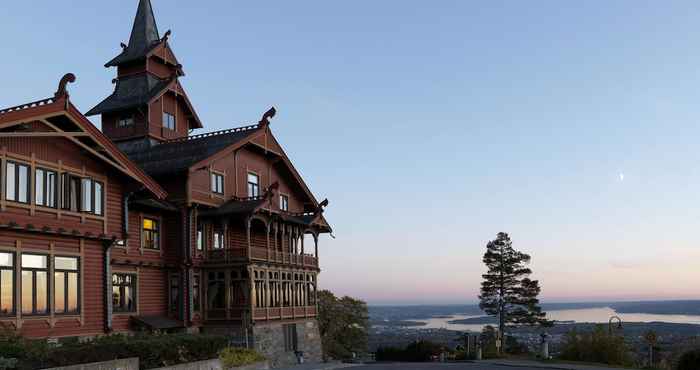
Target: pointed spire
[[144, 36], [145, 31]]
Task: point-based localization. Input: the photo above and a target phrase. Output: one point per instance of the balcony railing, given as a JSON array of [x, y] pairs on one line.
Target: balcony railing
[[260, 254], [280, 313]]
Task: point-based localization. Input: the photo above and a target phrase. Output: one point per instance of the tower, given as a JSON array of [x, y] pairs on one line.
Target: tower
[[148, 105]]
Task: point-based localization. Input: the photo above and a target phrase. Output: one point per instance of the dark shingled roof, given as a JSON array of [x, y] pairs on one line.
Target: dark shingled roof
[[178, 155], [234, 206], [130, 92], [144, 36]]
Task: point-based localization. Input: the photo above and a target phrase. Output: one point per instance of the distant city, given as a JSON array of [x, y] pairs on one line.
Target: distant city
[[674, 321]]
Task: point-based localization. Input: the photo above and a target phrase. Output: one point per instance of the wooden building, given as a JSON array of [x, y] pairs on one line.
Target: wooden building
[[145, 226]]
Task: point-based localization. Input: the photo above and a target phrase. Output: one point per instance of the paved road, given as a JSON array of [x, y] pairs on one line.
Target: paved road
[[501, 365]]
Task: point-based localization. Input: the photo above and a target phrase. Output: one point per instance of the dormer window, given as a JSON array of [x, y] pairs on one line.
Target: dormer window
[[253, 185], [169, 121], [284, 203], [125, 121]]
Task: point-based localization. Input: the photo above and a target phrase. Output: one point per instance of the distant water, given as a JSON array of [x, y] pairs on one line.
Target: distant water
[[584, 315]]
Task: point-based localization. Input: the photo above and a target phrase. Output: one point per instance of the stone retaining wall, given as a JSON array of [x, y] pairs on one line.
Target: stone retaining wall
[[133, 364], [269, 341]]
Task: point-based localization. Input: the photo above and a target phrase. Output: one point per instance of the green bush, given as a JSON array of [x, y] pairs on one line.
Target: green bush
[[595, 346], [232, 357], [419, 351], [153, 351], [689, 360]]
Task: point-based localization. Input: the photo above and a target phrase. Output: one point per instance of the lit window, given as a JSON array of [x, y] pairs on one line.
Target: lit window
[[35, 285], [125, 121], [17, 182], [45, 187], [218, 240], [7, 284], [66, 285], [169, 121], [217, 183], [124, 293], [150, 234], [253, 185], [200, 237], [284, 202]]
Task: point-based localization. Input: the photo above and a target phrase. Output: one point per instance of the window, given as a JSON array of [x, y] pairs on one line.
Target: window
[[174, 293], [70, 187], [150, 234], [217, 183], [168, 121], [284, 203], [35, 287], [45, 187], [91, 192], [17, 182], [253, 185], [124, 292], [125, 121], [290, 337], [66, 285], [218, 240], [200, 237], [7, 284], [195, 293], [216, 286]]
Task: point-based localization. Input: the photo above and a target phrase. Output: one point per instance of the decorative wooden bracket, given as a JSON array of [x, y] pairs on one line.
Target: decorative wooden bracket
[[62, 91], [265, 121], [167, 35]]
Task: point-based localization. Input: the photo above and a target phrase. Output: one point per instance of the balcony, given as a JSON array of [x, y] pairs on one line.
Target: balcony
[[260, 254]]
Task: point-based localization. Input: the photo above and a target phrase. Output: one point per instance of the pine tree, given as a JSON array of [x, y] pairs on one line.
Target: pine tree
[[506, 291]]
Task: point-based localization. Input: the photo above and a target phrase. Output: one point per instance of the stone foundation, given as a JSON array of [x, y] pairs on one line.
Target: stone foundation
[[269, 340]]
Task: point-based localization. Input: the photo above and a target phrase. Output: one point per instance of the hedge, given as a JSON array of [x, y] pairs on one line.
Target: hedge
[[153, 351]]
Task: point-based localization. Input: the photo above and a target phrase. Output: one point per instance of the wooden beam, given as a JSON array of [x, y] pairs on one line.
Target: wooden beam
[[44, 134], [89, 149]]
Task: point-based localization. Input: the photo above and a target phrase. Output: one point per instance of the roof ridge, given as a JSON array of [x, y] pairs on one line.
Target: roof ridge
[[211, 134], [28, 105]]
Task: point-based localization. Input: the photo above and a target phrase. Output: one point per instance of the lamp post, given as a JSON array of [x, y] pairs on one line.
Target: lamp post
[[610, 324]]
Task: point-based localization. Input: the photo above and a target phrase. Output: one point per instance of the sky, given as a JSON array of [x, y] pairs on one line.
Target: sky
[[432, 126]]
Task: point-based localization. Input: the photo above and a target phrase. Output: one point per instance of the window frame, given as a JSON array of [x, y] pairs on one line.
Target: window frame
[[66, 312], [217, 184], [196, 292], [167, 116], [157, 232], [200, 242], [17, 165], [291, 337], [13, 271], [284, 202], [34, 270], [45, 187], [253, 188], [174, 306], [218, 235], [125, 121], [134, 285]]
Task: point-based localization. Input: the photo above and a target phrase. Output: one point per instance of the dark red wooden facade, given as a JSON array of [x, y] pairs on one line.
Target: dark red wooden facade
[[161, 229]]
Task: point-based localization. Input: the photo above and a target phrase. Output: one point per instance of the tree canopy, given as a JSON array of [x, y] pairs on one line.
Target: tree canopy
[[344, 325], [507, 291]]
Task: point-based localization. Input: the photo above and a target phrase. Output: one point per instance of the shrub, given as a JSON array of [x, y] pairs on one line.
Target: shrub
[[595, 346], [232, 357], [153, 351], [689, 360]]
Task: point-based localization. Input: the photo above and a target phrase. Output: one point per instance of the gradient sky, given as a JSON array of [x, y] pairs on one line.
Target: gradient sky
[[431, 126]]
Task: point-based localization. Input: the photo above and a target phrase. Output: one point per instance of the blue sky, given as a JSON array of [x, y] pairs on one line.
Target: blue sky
[[431, 126]]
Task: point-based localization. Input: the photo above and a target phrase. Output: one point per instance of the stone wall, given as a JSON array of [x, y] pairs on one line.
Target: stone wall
[[133, 364], [122, 364], [269, 341]]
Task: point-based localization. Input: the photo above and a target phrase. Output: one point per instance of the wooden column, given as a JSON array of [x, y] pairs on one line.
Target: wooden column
[[247, 231]]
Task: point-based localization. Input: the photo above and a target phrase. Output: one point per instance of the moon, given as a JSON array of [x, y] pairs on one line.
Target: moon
[[622, 177]]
